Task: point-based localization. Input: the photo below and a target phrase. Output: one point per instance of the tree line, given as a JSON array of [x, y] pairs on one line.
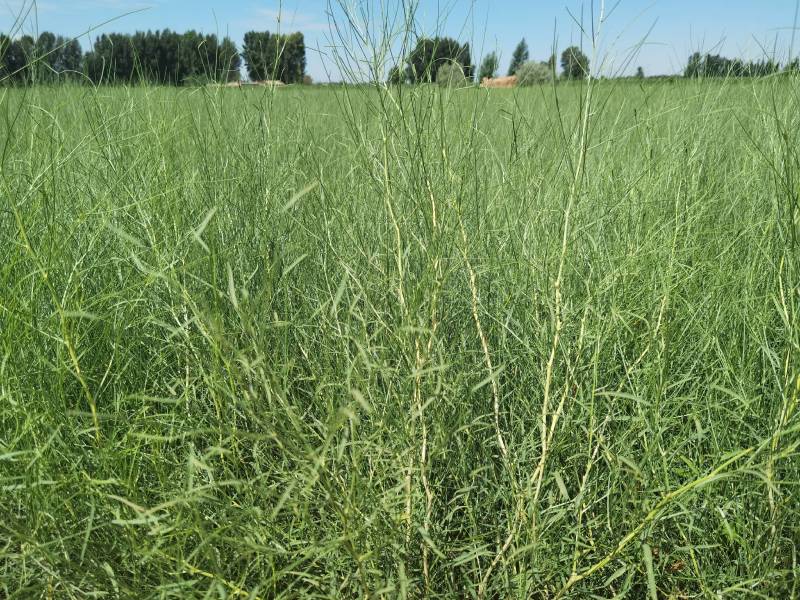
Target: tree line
[[436, 59], [59, 57], [714, 65], [162, 57], [172, 58], [157, 57], [446, 61]]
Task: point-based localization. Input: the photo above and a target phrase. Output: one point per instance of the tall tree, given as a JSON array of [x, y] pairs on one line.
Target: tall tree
[[520, 56], [45, 51], [18, 59], [430, 54], [639, 73], [112, 59], [574, 63], [694, 66], [396, 75], [465, 60], [295, 58], [55, 56], [271, 56], [5, 42], [68, 60], [258, 54], [229, 61], [489, 66]]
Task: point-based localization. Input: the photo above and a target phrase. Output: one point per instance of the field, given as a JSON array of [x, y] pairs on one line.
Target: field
[[422, 342]]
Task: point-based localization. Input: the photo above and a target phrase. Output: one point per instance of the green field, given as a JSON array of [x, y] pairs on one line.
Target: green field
[[351, 342]]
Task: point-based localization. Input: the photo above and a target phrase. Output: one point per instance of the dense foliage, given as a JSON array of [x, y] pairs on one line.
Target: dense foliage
[[59, 58], [574, 63], [430, 54], [46, 59], [489, 66], [520, 56], [397, 75], [159, 57], [272, 56], [714, 65], [168, 57], [163, 57]]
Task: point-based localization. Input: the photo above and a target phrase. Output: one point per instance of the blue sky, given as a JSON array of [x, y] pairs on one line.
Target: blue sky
[[670, 29]]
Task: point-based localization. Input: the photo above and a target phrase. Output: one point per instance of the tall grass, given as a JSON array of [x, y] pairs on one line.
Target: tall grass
[[416, 342]]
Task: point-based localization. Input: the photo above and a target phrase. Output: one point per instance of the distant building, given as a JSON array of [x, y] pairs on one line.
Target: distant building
[[499, 82]]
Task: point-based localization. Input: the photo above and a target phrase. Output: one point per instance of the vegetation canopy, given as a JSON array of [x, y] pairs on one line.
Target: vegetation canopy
[[431, 54], [574, 63], [521, 56], [276, 57], [489, 66], [161, 57]]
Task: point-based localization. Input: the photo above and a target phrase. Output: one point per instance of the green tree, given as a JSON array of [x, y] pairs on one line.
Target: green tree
[[574, 63], [229, 63], [694, 66], [161, 57], [520, 56], [489, 66], [430, 54], [714, 65], [68, 60], [18, 59], [5, 42], [296, 58], [396, 75], [190, 67], [45, 50], [639, 73], [260, 54], [113, 60], [56, 57], [271, 56]]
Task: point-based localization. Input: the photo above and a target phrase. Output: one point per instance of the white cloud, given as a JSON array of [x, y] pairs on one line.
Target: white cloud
[[269, 18]]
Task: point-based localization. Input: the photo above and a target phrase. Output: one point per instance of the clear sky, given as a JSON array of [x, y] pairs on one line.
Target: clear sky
[[670, 29]]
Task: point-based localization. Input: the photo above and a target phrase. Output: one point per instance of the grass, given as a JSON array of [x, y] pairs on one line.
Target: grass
[[428, 343]]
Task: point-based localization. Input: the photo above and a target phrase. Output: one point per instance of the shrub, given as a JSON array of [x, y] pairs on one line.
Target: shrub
[[451, 75], [533, 73]]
